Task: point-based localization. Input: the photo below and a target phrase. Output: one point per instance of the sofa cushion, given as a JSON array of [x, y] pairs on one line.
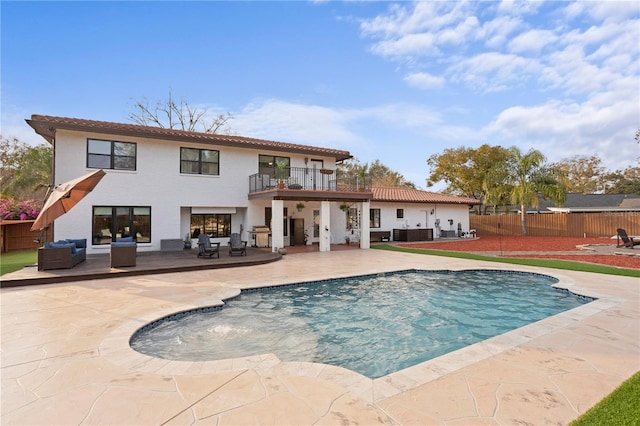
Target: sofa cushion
[[123, 244], [80, 243], [65, 244]]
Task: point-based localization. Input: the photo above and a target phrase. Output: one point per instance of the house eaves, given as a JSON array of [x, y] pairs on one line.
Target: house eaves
[[410, 195], [46, 126]]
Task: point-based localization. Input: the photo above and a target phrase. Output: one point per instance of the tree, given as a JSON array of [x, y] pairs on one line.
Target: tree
[[380, 174], [528, 175], [582, 174], [625, 181], [182, 116], [26, 171], [464, 170]]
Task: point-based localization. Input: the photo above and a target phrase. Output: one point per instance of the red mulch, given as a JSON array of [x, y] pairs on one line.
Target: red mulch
[[540, 247]]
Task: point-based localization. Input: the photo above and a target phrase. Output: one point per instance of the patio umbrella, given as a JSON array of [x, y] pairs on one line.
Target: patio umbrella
[[64, 196]]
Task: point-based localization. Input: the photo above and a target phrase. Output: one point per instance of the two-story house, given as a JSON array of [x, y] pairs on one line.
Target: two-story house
[[166, 185]]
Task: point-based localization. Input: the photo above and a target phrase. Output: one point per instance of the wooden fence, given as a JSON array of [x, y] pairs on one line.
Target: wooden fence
[[16, 235], [601, 224]]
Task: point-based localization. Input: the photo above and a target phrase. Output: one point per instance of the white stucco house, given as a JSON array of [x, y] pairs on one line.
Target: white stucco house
[[163, 186]]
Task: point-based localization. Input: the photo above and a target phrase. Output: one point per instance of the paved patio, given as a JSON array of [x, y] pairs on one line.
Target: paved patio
[[65, 356]]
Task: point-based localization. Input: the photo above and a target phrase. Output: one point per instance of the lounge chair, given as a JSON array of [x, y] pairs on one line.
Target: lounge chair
[[237, 246], [206, 248], [626, 240]]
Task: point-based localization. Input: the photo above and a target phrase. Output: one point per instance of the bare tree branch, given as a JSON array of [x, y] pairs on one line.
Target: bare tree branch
[[172, 115]]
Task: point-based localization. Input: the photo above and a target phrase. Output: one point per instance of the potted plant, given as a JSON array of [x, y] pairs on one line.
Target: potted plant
[[281, 173], [347, 240], [187, 241], [362, 173], [300, 206]]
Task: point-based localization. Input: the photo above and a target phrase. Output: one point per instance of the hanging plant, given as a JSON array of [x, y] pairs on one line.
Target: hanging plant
[[345, 207], [300, 206]]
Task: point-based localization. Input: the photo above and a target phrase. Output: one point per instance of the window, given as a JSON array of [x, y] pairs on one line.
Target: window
[[111, 155], [374, 218], [400, 213], [214, 225], [199, 161], [110, 223], [267, 165]]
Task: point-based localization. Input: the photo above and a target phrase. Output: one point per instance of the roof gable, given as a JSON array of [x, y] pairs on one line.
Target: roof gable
[[46, 127]]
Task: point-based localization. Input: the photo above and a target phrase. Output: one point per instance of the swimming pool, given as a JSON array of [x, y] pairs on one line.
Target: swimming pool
[[373, 325]]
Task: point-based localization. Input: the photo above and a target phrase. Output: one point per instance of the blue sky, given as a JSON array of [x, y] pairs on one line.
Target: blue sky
[[394, 81]]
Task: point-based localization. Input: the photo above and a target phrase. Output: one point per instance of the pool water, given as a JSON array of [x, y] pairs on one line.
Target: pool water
[[374, 325]]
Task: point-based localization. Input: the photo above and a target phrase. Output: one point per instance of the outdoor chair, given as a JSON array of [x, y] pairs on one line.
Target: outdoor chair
[[206, 248], [237, 246], [123, 252], [626, 240]]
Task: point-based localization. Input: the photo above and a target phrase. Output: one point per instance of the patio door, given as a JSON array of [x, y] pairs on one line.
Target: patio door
[[297, 232], [316, 177]]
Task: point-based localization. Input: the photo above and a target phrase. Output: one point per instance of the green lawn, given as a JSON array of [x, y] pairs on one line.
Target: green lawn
[[15, 260], [543, 263], [621, 407]]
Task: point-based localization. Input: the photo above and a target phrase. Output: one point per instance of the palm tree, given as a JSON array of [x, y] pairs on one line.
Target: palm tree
[[529, 176]]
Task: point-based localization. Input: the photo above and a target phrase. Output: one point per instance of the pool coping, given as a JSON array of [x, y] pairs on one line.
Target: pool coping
[[115, 346]]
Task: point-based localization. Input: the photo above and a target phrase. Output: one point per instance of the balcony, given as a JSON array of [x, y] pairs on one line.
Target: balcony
[[301, 182]]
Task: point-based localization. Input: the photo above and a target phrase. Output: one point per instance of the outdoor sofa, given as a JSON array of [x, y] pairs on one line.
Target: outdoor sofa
[[62, 254]]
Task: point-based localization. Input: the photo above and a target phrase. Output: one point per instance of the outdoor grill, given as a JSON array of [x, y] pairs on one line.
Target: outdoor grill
[[261, 235]]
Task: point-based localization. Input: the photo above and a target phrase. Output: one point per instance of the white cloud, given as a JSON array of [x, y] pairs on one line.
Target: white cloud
[[296, 123], [409, 45], [497, 31], [423, 80], [492, 71], [602, 126], [531, 41]]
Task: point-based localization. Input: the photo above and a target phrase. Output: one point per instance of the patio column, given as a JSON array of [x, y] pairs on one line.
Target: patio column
[[277, 225], [325, 226], [365, 235]]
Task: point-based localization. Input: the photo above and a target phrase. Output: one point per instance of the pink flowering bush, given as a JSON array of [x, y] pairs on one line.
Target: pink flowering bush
[[18, 210]]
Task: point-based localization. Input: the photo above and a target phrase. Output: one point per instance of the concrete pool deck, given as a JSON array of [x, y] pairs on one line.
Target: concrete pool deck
[[65, 357]]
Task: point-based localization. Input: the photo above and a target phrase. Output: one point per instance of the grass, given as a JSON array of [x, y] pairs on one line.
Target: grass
[[15, 260], [543, 263], [619, 408]]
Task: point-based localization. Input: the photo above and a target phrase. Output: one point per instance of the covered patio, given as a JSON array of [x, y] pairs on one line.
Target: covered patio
[[97, 267]]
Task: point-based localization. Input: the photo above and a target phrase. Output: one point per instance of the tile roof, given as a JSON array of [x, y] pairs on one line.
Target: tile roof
[[46, 127], [409, 195]]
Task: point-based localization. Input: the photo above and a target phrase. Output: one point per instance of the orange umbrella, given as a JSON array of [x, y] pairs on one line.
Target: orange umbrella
[[64, 196]]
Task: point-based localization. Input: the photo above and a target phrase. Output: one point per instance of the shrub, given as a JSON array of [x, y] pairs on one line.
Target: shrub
[[18, 210]]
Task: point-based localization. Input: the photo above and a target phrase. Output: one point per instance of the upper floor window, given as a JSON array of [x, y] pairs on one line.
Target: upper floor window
[[199, 161], [400, 213], [267, 165], [115, 155]]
